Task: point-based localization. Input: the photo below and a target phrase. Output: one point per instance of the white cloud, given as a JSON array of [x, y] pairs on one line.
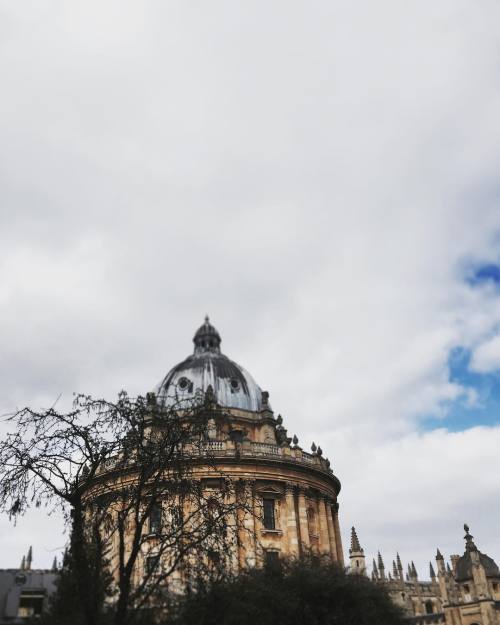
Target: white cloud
[[319, 181], [486, 357]]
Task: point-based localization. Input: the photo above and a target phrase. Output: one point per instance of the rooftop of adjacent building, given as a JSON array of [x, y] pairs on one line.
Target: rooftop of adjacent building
[[25, 586], [461, 569]]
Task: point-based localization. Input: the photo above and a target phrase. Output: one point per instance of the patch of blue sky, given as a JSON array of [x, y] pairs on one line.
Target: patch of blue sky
[[484, 274], [462, 413]]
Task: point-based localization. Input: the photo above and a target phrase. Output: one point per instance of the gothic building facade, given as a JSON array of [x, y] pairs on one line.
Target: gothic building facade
[[465, 592]]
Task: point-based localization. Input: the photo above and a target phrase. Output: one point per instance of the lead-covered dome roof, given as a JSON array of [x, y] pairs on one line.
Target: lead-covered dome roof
[[463, 570], [233, 386]]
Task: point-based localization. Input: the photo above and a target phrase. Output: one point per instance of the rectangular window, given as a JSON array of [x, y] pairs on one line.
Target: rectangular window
[[152, 563], [269, 516], [155, 520], [30, 604]]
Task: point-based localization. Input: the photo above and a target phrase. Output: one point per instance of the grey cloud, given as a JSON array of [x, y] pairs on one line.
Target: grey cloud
[[313, 179]]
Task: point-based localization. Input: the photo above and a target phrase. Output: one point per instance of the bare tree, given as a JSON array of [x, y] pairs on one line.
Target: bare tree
[[141, 475]]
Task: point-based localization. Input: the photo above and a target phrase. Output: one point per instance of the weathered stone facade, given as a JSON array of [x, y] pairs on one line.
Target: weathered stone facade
[[465, 593], [294, 493]]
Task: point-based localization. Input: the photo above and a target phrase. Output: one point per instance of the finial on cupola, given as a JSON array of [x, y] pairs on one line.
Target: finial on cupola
[[469, 539]]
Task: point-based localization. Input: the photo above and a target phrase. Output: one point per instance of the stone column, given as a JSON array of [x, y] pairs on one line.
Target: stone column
[[304, 527], [324, 537], [331, 529], [290, 524], [338, 537]]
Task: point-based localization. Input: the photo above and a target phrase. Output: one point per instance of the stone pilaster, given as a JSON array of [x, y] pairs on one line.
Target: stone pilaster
[[331, 530], [304, 527], [324, 539], [292, 526], [338, 537]]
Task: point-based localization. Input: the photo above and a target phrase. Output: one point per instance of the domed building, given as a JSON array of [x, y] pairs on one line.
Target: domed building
[[294, 492]]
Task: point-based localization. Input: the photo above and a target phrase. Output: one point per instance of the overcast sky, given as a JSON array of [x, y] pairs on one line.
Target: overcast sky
[[322, 178]]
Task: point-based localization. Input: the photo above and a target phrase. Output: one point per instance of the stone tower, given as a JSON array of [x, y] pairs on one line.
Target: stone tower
[[356, 555]]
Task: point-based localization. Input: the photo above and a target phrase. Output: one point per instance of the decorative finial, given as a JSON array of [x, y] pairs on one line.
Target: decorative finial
[[469, 539], [313, 447], [320, 451], [209, 396], [207, 319], [279, 419], [265, 399], [295, 440]]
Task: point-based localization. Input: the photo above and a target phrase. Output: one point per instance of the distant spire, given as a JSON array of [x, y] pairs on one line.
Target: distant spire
[[448, 569], [395, 569], [23, 563], [439, 555], [375, 570], [469, 539], [414, 570], [431, 571], [29, 558], [54, 564], [380, 561], [355, 546], [398, 561]]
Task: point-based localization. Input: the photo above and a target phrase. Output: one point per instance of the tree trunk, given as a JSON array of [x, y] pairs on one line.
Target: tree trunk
[[88, 597]]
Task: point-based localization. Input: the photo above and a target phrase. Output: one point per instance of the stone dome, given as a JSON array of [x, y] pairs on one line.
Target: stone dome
[[464, 563], [233, 386]]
